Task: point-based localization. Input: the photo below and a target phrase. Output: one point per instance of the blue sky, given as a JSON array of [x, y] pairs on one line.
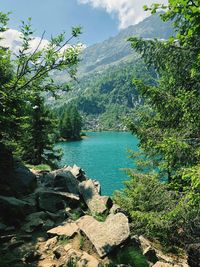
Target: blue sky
[[100, 19]]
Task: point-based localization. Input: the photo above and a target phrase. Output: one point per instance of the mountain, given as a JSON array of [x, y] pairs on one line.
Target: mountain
[[104, 93]]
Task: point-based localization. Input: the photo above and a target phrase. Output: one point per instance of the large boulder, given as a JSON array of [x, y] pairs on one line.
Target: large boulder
[[38, 220], [90, 194], [13, 210], [66, 181], [26, 177], [15, 178], [105, 236], [53, 201]]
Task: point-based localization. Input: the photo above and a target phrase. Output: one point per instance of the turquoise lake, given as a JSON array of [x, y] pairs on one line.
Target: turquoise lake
[[103, 156]]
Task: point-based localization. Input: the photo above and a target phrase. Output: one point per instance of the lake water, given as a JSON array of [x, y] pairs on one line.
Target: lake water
[[103, 156]]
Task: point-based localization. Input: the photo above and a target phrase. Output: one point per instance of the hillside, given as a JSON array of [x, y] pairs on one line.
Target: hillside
[[104, 93]]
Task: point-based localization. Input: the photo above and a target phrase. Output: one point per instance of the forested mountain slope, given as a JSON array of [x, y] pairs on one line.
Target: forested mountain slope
[[104, 92]]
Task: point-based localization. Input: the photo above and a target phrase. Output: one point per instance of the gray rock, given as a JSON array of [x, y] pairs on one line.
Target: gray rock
[[53, 201], [37, 220], [26, 177], [13, 210], [77, 172], [66, 228], [67, 181], [150, 254], [95, 202], [193, 251], [105, 236], [32, 256]]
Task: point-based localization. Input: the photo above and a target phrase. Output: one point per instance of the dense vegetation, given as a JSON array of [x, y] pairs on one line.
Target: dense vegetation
[[70, 123], [168, 129], [104, 94], [27, 127]]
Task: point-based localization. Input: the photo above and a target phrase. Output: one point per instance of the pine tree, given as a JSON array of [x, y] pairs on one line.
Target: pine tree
[[40, 135], [71, 124]]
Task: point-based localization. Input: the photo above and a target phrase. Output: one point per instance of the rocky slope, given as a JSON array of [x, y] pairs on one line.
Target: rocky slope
[[64, 221]]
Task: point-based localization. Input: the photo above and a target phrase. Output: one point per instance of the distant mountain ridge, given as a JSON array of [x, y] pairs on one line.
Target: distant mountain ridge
[[117, 48], [105, 93]]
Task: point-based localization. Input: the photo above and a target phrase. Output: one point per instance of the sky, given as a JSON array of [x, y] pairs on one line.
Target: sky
[[100, 19]]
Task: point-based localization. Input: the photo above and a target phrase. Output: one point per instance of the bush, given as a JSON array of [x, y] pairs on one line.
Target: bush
[[158, 212]]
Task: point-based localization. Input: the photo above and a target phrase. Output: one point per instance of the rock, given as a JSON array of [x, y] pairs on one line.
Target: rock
[[87, 260], [150, 254], [53, 201], [162, 264], [67, 181], [33, 225], [5, 238], [105, 236], [115, 209], [77, 172], [193, 251], [171, 260], [50, 243], [32, 256], [36, 221], [97, 186], [67, 229], [26, 177], [94, 201], [37, 215], [13, 210], [67, 247]]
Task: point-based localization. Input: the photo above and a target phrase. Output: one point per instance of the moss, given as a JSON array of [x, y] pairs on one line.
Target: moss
[[41, 167]]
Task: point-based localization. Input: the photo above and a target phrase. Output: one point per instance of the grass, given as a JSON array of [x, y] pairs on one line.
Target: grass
[[63, 240], [41, 167]]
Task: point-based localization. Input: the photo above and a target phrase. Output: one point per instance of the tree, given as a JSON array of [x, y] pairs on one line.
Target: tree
[[71, 123], [168, 127], [170, 130], [29, 67], [40, 135]]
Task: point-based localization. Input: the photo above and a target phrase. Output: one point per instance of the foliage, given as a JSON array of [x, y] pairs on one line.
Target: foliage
[[157, 211], [71, 123], [40, 134], [25, 78], [41, 167], [168, 129], [171, 128], [128, 255]]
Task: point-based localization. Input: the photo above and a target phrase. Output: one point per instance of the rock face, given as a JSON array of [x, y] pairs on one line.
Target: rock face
[[105, 236], [53, 201], [13, 209], [66, 181], [90, 194]]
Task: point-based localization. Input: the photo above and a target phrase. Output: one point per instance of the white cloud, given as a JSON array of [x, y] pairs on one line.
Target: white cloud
[[129, 12], [11, 39]]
